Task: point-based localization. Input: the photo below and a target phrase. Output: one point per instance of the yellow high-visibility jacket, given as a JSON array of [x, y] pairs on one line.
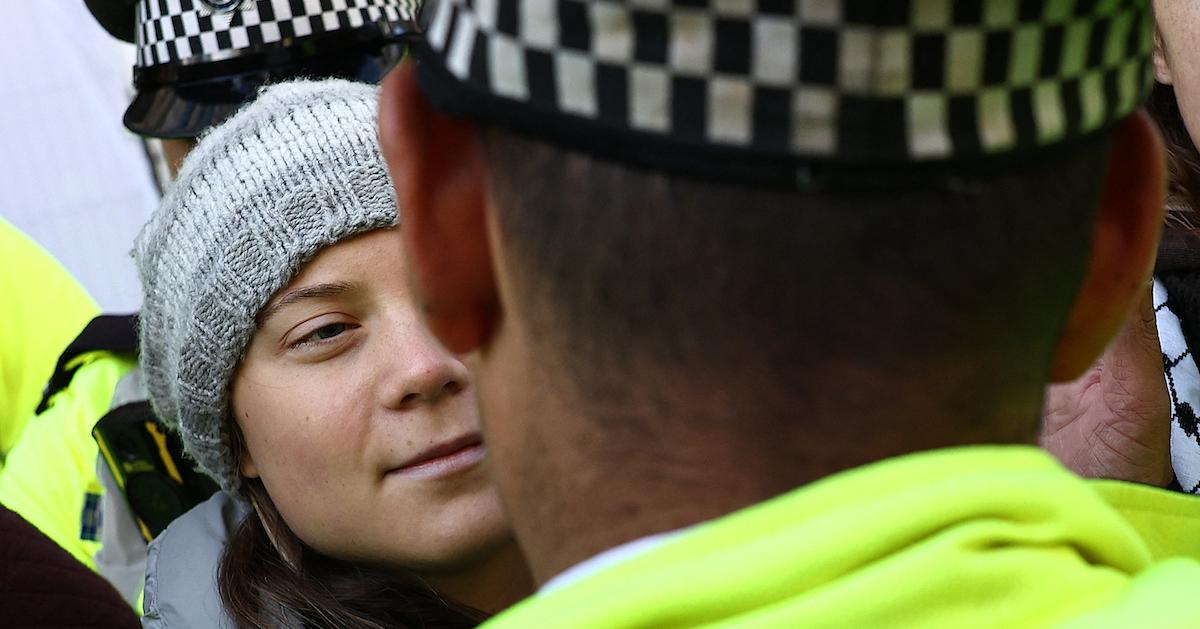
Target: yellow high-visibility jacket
[[965, 537], [42, 308], [52, 472]]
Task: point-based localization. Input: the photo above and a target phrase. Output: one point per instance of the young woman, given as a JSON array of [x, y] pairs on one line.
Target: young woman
[[280, 340]]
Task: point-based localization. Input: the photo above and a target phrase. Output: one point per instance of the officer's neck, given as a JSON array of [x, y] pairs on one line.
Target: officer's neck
[[624, 482], [490, 584]]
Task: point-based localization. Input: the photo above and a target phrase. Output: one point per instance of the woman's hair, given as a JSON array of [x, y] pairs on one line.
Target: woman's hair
[[1183, 161], [269, 578]]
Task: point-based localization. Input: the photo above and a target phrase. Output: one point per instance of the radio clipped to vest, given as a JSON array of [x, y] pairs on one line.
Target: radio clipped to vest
[[148, 465], [146, 460]]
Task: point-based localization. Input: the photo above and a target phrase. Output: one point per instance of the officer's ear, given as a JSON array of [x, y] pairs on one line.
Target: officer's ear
[[438, 167], [1125, 235]]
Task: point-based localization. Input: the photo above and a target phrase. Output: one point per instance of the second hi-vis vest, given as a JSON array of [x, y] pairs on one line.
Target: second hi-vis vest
[[42, 308], [95, 471]]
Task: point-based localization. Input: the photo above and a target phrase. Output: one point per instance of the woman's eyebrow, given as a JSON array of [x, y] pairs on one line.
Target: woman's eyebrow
[[315, 291]]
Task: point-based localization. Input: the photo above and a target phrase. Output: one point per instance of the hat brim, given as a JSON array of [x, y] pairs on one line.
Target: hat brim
[[186, 110], [166, 113]]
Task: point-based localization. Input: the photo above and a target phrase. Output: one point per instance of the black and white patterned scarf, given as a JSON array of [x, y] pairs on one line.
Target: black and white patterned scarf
[[1177, 313]]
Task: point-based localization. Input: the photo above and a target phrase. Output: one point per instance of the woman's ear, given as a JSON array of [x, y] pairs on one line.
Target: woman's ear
[[238, 449], [1125, 232], [246, 466], [1162, 68]]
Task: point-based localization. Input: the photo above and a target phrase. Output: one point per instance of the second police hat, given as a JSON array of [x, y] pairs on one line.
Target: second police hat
[[199, 60], [766, 90]]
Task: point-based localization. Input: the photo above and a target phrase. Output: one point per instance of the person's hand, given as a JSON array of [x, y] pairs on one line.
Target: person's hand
[[1115, 420]]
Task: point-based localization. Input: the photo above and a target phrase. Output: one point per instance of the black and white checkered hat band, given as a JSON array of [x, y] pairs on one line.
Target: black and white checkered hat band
[[189, 31], [855, 81]]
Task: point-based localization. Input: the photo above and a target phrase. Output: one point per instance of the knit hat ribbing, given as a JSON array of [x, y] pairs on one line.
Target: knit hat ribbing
[[291, 173]]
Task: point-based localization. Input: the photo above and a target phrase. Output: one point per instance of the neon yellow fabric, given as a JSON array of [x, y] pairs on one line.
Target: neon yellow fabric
[[53, 466], [1165, 520], [965, 537], [43, 309]]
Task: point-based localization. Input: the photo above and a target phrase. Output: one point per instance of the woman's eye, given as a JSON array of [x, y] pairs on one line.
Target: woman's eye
[[328, 331], [323, 333]]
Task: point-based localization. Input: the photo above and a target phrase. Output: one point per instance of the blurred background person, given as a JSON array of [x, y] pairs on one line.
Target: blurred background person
[[42, 586]]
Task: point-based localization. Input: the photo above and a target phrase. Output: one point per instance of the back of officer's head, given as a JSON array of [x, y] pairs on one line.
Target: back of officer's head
[[634, 275], [768, 197]]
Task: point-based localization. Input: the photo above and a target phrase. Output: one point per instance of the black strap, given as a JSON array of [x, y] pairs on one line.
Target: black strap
[[113, 333]]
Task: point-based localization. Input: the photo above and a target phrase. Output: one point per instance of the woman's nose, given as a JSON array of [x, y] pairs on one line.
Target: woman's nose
[[423, 372]]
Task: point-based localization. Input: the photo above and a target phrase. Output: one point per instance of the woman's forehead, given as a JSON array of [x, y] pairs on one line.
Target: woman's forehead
[[341, 268]]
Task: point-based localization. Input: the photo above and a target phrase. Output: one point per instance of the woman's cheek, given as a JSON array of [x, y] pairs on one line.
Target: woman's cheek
[[1188, 98]]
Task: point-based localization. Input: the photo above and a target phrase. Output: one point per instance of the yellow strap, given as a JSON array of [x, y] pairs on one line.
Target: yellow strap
[[160, 439]]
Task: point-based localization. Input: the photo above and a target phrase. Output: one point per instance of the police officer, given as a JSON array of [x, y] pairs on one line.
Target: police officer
[[197, 61], [765, 296]]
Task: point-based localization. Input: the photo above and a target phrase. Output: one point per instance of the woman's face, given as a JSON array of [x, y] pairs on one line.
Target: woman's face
[[1177, 56], [363, 429]]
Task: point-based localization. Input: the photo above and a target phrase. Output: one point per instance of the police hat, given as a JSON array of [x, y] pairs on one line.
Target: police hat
[[199, 60], [774, 90]]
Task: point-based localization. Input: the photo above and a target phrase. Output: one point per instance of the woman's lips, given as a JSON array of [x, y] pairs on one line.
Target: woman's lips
[[444, 459]]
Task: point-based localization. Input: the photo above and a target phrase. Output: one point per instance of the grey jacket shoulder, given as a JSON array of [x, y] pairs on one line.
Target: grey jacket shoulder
[[181, 568]]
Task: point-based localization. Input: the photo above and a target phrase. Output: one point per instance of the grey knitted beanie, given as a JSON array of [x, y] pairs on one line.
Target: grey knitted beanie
[[294, 171]]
